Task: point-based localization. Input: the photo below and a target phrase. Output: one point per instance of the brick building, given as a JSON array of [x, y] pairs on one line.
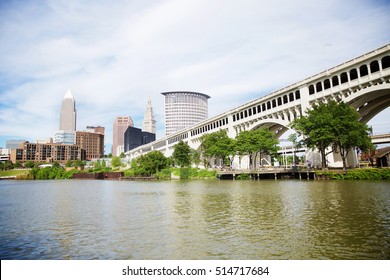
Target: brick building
[[92, 143], [37, 152]]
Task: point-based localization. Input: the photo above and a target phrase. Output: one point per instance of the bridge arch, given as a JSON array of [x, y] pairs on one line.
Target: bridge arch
[[370, 101], [349, 75], [278, 126]]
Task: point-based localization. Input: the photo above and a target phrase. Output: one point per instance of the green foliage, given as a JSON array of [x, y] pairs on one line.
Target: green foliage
[[217, 144], [182, 154], [184, 173], [6, 165], [356, 174], [243, 176], [149, 164], [79, 163], [47, 173], [195, 157], [29, 164], [205, 174], [115, 162], [334, 125], [50, 173], [6, 173], [187, 173], [97, 166], [260, 141], [164, 174]]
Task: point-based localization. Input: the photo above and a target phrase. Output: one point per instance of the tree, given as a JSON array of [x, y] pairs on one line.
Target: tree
[[247, 143], [182, 154], [260, 141], [268, 143], [316, 127], [150, 163], [97, 166], [217, 144], [195, 157], [349, 132], [115, 162], [29, 164], [296, 145], [334, 125]]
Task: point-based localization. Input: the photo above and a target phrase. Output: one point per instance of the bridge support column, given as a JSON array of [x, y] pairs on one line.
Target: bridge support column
[[304, 99], [335, 160]]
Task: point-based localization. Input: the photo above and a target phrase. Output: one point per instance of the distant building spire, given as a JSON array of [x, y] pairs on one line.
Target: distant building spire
[[67, 131], [149, 123], [68, 113]]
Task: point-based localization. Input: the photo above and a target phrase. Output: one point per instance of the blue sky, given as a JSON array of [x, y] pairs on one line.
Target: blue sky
[[112, 55]]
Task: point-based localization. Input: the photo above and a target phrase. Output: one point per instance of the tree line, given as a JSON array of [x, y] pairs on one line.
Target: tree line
[[327, 127], [214, 145]]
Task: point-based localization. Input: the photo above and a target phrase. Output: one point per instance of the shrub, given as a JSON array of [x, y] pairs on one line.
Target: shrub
[[184, 173]]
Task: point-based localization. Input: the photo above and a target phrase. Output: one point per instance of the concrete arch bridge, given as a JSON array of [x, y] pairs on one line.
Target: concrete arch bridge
[[363, 83]]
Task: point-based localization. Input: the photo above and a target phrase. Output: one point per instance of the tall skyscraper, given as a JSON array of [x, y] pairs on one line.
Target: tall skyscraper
[[183, 109], [149, 123], [119, 127], [67, 131], [68, 113]]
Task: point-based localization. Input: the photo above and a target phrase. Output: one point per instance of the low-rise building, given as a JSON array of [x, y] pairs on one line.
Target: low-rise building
[[36, 152]]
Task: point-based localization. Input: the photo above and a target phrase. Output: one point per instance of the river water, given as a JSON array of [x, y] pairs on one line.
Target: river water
[[268, 219]]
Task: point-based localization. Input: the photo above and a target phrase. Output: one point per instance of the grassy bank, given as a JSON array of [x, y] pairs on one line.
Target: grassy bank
[[13, 172], [355, 174], [182, 173]]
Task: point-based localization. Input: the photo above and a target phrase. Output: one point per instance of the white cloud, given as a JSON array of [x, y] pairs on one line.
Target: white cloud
[[113, 55]]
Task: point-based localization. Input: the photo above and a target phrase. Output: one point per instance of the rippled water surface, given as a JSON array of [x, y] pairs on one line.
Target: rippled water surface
[[194, 220]]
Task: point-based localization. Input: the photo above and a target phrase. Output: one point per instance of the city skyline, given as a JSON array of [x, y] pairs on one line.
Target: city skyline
[[232, 52]]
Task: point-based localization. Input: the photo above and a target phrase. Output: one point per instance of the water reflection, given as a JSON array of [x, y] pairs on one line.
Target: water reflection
[[194, 220]]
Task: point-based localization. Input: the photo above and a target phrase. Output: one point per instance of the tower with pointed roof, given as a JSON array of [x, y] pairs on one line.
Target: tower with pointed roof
[[67, 130], [68, 113], [149, 123]]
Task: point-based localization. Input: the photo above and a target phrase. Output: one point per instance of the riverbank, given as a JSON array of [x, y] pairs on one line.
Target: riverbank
[[13, 174], [355, 174], [197, 173]]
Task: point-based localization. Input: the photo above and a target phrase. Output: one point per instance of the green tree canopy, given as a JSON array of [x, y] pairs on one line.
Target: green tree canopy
[[195, 157], [182, 154], [115, 162], [150, 163], [217, 144], [296, 145], [349, 132], [29, 164], [334, 125], [261, 141]]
